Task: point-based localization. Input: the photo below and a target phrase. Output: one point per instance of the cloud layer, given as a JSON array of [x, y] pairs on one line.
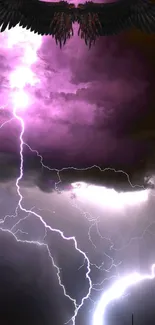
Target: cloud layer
[[83, 107]]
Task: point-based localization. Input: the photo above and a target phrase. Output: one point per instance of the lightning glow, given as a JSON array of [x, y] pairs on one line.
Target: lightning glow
[[117, 290], [20, 99], [19, 79], [102, 196]]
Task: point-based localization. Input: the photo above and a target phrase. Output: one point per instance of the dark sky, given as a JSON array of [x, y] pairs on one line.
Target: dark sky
[[90, 114]]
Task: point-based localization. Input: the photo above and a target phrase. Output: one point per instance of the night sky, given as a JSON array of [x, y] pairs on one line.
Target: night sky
[[86, 150]]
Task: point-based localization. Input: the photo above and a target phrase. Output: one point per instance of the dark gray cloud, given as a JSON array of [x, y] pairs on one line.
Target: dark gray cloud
[[46, 178], [88, 108]]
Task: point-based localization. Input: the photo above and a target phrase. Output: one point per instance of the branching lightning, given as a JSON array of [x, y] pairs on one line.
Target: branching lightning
[[17, 95], [119, 287], [20, 206]]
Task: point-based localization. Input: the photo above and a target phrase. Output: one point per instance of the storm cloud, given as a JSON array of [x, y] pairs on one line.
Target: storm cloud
[[88, 156]]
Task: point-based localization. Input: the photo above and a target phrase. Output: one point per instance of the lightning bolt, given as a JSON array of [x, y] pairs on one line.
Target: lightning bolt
[[17, 98], [20, 100], [117, 290], [49, 228]]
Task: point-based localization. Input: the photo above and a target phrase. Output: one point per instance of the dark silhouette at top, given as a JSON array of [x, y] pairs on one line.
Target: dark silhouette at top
[[94, 19]]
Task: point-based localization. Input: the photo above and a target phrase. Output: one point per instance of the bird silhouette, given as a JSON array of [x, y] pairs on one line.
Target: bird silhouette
[[94, 19]]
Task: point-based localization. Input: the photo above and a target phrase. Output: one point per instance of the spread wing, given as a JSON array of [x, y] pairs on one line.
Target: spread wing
[[44, 18], [111, 18]]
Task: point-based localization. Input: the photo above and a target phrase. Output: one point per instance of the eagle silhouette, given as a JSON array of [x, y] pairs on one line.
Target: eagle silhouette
[[94, 19]]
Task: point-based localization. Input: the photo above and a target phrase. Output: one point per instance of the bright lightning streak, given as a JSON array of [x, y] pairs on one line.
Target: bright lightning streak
[[6, 122], [50, 228], [20, 100], [116, 291], [77, 307], [18, 80]]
